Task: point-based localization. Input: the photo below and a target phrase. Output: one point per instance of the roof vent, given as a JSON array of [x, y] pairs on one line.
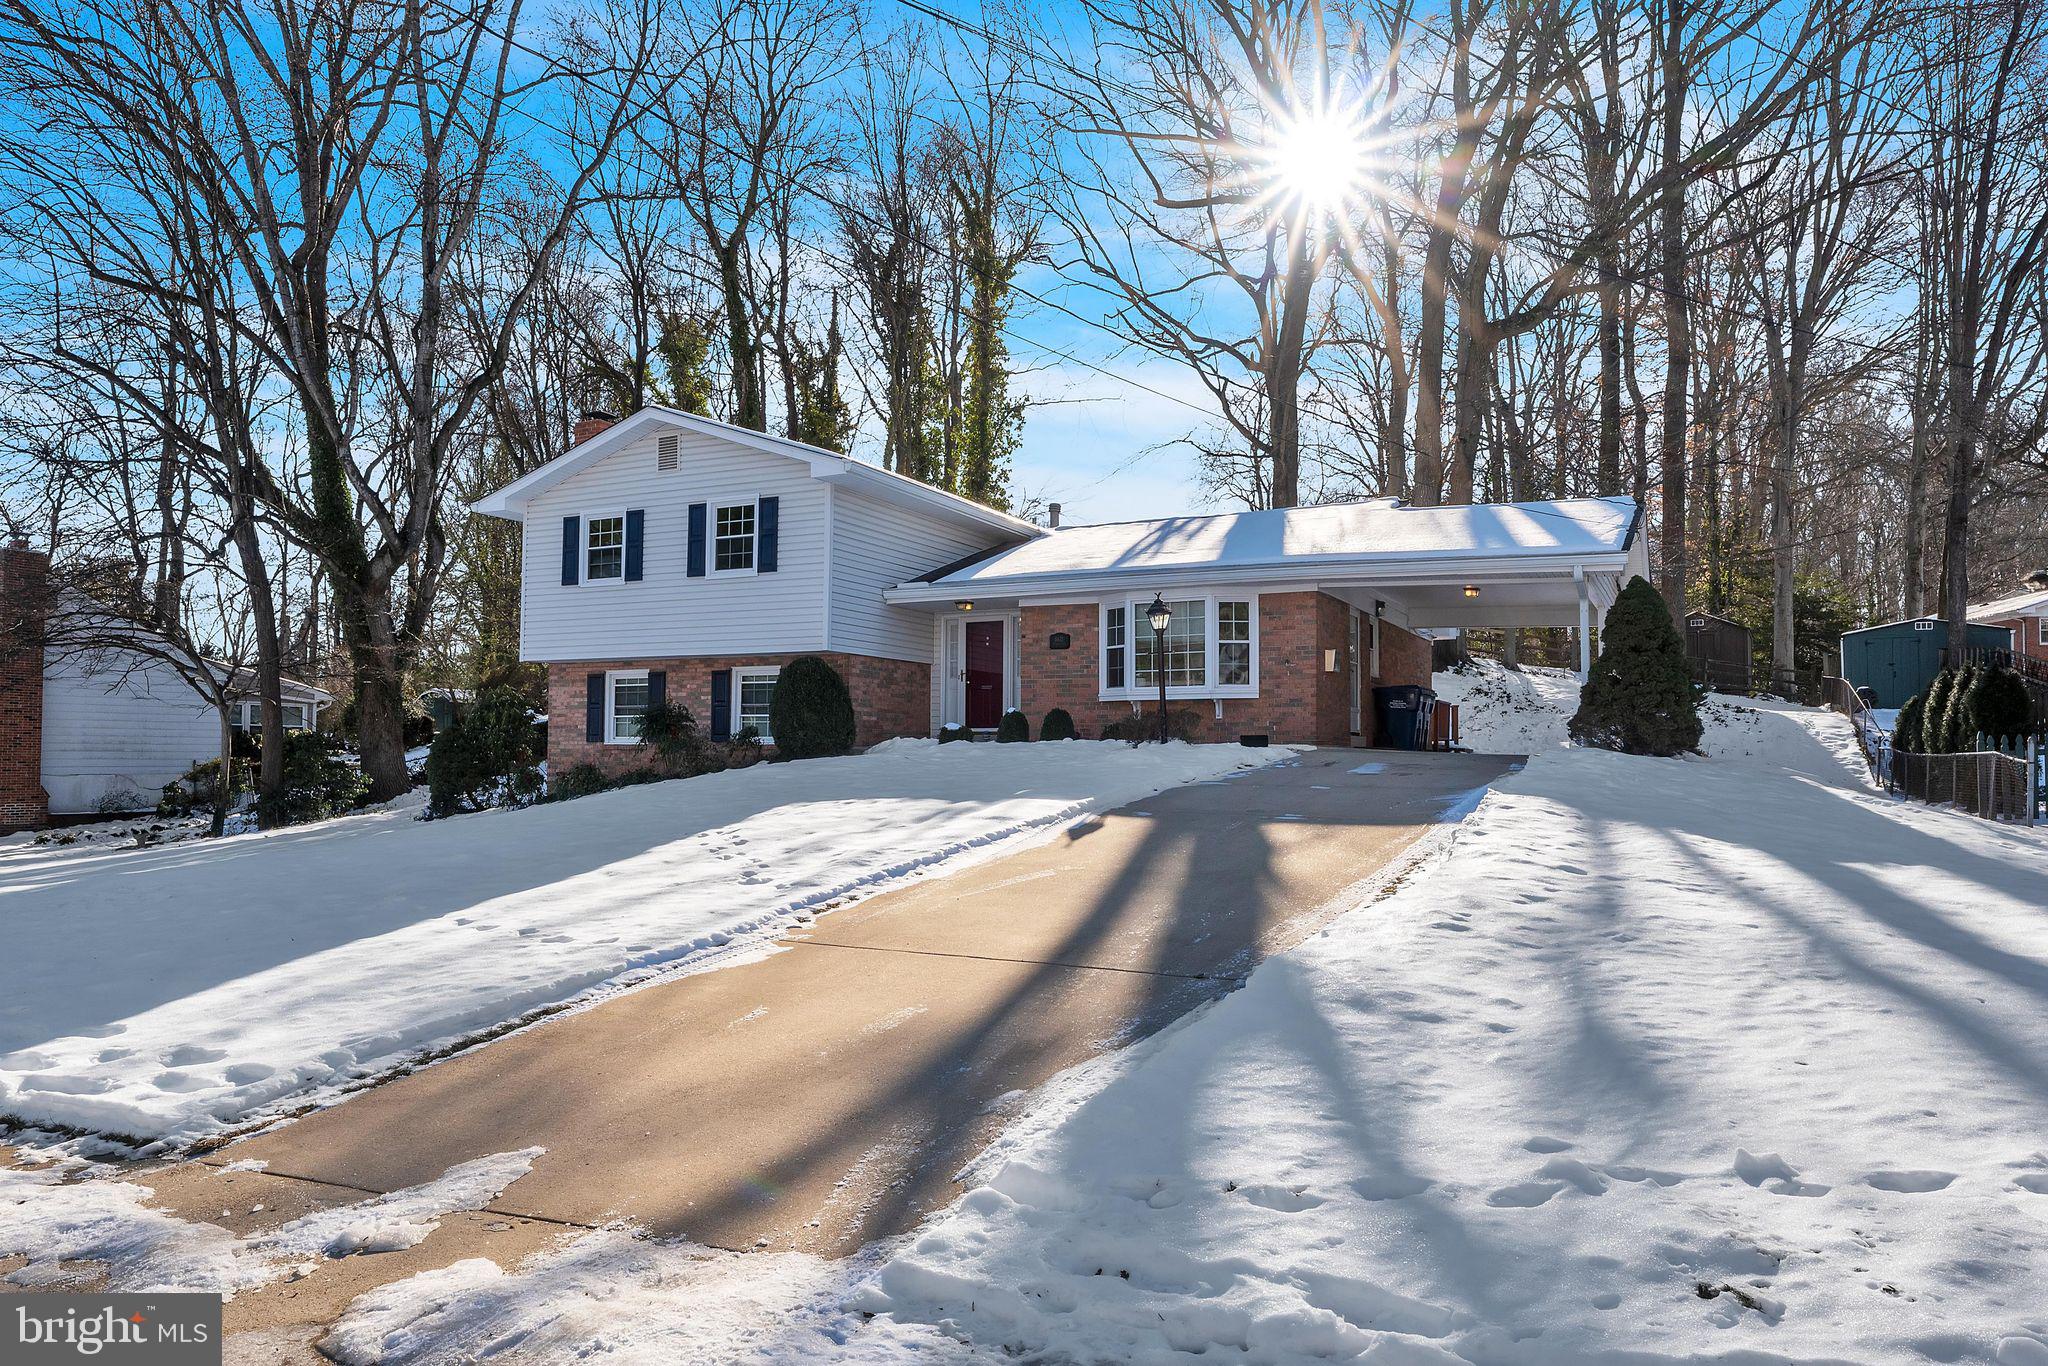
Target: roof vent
[[665, 451], [1052, 515]]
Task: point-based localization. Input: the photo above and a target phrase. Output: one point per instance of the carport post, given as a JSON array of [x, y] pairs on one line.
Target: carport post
[[1585, 623]]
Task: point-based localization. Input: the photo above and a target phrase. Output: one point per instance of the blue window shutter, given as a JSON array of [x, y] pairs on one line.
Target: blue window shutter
[[697, 519], [636, 521], [764, 551], [593, 708], [721, 704], [657, 688], [572, 548]]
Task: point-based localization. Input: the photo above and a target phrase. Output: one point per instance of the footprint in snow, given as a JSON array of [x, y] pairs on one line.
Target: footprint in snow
[[1398, 1186], [1542, 1143], [2036, 1182], [1524, 1194], [1909, 1182], [1768, 1171], [1285, 1199], [190, 1055], [1577, 1173]]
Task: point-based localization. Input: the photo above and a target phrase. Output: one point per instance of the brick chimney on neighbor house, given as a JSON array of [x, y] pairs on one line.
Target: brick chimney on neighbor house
[[589, 425], [24, 608]]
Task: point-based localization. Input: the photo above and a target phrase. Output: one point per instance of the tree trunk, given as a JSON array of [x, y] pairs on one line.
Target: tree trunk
[[1677, 321]]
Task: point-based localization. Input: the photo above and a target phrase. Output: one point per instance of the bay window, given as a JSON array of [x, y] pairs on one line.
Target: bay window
[[1209, 649]]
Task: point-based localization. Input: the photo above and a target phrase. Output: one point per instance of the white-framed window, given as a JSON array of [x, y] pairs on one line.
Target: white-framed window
[[248, 716], [2041, 628], [732, 538], [1115, 646], [753, 694], [604, 548], [1210, 650], [625, 703], [1184, 648]]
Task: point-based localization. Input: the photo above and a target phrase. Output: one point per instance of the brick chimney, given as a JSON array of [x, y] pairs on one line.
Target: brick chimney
[[589, 425], [24, 608]]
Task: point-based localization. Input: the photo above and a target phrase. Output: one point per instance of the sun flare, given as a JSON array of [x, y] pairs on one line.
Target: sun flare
[[1319, 158]]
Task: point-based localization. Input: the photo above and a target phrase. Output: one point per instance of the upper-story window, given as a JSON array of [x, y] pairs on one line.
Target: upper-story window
[[604, 549], [732, 548]]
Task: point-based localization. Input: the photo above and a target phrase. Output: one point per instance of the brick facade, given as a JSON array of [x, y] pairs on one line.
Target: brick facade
[[891, 697], [24, 586], [1299, 699]]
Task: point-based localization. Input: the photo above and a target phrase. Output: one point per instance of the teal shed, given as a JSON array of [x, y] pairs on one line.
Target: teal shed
[[1900, 658]]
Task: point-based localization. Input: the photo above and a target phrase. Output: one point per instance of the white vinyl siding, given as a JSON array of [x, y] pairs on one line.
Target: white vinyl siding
[[666, 614], [876, 546], [117, 722]]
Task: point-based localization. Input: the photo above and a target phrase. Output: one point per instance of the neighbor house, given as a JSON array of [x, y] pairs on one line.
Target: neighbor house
[[669, 557], [85, 729], [2024, 613]]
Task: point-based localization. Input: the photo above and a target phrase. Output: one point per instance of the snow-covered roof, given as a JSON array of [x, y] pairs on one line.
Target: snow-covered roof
[[2032, 603], [1286, 540]]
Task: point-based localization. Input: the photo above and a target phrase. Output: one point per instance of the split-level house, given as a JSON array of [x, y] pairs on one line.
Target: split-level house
[[671, 557]]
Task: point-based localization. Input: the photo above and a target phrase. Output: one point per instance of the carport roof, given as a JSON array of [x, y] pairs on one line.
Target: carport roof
[[1302, 542]]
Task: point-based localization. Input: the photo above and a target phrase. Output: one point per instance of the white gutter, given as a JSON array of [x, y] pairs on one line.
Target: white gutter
[[1445, 567]]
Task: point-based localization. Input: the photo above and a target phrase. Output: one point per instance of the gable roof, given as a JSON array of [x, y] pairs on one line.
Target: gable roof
[[1378, 531], [2032, 603], [510, 502]]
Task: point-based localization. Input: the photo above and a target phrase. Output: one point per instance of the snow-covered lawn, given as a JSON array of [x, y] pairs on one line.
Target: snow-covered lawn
[[1525, 711], [1664, 1060], [170, 993]]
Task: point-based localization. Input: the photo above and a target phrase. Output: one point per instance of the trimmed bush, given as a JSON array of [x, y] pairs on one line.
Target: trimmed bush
[[811, 716], [952, 731], [1999, 705], [489, 757], [1958, 728], [1013, 729], [1140, 726], [1640, 697], [1058, 725], [1909, 732], [1934, 717]]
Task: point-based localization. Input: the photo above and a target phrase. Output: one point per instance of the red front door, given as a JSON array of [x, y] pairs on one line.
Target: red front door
[[984, 674]]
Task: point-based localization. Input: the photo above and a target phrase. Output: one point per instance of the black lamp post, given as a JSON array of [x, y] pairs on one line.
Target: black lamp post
[[1159, 614]]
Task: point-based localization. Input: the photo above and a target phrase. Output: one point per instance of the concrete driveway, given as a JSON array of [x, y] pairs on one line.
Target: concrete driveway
[[827, 1094]]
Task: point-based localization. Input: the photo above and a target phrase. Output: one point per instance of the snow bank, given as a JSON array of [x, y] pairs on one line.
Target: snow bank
[[612, 1296], [1665, 1061], [170, 993], [1527, 710], [50, 1219]]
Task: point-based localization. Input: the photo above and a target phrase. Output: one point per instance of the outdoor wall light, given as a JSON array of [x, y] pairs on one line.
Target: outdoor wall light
[[1471, 590], [963, 606]]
